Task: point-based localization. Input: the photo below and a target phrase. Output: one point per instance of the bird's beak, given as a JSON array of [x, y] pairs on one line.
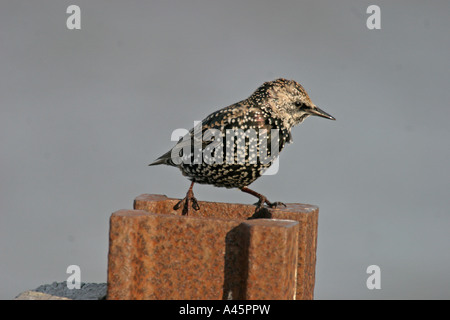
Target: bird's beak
[[315, 111]]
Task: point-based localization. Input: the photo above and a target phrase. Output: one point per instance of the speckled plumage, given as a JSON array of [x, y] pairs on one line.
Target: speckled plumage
[[275, 105]]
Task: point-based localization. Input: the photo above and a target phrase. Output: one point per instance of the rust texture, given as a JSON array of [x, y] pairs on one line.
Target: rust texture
[[219, 252], [272, 259]]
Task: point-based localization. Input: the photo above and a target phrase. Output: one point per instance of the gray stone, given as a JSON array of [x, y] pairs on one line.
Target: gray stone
[[59, 290]]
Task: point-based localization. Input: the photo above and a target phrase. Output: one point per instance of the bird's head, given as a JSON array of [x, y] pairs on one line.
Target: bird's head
[[288, 100]]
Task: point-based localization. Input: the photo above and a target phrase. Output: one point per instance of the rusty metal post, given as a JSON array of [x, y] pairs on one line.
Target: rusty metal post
[[215, 253]]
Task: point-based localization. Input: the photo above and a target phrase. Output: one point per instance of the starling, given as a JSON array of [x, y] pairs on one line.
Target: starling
[[233, 147]]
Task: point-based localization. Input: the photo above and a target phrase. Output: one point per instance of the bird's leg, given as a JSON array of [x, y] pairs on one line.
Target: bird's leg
[[189, 198], [262, 199]]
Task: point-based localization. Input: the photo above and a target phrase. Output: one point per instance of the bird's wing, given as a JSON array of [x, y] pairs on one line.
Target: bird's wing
[[237, 116]]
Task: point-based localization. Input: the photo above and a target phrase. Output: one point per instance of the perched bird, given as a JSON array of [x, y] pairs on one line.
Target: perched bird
[[225, 149]]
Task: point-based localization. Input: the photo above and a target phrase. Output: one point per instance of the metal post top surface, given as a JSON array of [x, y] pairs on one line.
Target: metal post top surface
[[161, 204]]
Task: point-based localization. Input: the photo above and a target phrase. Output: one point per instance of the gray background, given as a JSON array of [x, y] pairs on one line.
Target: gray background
[[83, 112]]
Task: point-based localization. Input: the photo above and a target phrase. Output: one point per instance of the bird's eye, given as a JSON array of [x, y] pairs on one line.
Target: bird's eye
[[298, 104]]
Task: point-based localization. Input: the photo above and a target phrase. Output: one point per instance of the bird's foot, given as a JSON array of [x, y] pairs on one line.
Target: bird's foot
[[185, 203], [262, 200], [277, 204]]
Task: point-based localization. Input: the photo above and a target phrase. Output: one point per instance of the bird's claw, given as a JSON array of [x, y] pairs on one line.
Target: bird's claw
[[178, 205], [276, 204], [185, 203], [260, 203], [195, 204]]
